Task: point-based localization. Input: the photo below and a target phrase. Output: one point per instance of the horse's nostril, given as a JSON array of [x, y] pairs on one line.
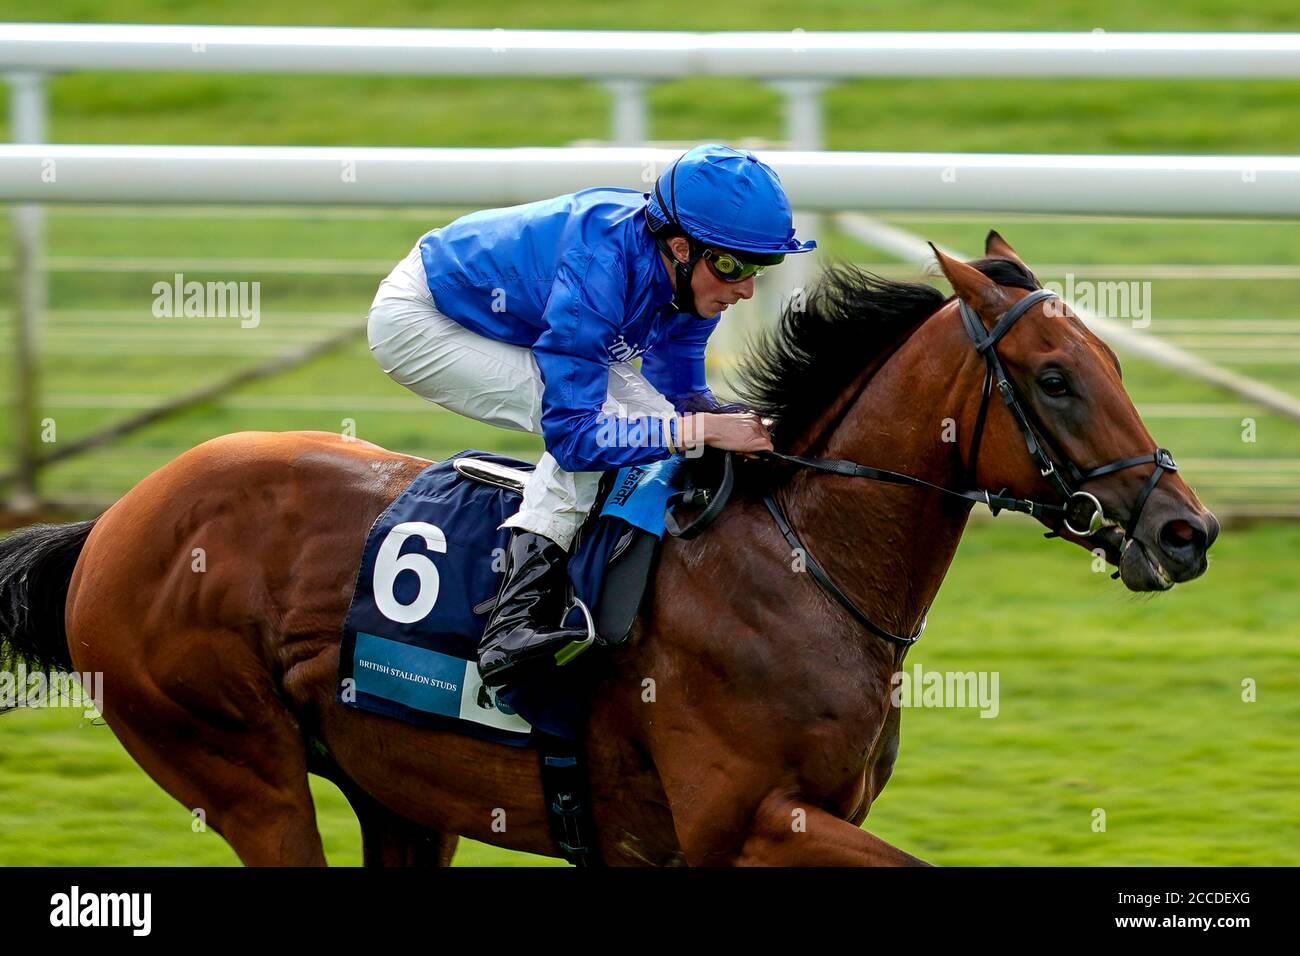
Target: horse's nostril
[[1181, 536]]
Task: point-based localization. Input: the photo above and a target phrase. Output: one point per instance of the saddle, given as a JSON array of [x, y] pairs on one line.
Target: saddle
[[704, 487]]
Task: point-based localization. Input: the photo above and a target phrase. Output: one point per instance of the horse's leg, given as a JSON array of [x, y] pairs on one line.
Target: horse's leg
[[391, 840], [250, 784], [208, 726], [729, 811], [721, 826], [732, 806], [787, 831]]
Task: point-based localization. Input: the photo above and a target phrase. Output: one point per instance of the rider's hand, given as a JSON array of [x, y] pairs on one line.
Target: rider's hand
[[743, 432]]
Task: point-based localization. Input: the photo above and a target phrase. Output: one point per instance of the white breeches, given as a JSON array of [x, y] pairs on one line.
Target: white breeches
[[493, 382]]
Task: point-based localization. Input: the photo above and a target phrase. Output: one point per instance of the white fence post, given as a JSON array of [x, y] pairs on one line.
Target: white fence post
[[628, 121], [803, 130], [27, 123]]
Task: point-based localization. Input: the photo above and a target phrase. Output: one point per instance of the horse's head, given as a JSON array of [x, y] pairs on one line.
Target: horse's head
[[1079, 433]]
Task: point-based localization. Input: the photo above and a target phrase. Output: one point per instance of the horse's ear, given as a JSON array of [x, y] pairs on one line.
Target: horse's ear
[[973, 287], [997, 247]]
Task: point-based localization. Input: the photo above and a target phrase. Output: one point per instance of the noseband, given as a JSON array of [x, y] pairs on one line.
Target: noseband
[[1080, 512]]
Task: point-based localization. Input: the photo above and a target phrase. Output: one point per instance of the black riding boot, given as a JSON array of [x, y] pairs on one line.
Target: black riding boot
[[523, 631]]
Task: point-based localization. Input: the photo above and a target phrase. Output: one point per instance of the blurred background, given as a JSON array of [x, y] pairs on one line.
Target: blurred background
[[1128, 704]]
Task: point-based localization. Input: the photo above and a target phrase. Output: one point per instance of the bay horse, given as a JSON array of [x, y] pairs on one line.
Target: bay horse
[[748, 719]]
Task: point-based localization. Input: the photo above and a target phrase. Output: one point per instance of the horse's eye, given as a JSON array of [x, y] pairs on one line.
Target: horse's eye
[[1054, 385]]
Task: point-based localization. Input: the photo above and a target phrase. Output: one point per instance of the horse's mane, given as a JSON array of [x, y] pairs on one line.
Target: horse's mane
[[849, 317]]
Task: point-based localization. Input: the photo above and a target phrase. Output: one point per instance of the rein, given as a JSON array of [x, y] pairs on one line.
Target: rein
[[1080, 512]]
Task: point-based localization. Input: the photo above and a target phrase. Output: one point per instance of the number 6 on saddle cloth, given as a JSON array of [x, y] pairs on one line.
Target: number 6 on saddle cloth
[[429, 576]]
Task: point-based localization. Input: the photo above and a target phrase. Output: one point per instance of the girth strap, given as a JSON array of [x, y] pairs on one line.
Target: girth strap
[[566, 790]]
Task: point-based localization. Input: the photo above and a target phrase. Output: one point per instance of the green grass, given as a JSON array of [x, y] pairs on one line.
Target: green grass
[[1132, 705], [1128, 704], [1113, 15], [70, 795]]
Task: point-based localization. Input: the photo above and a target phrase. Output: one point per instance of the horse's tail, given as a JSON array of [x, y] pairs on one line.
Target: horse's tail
[[35, 570]]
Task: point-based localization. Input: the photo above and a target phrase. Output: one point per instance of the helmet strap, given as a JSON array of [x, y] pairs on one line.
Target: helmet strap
[[683, 294]]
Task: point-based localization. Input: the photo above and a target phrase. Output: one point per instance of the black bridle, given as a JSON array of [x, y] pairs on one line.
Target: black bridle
[[1080, 512], [1077, 503]]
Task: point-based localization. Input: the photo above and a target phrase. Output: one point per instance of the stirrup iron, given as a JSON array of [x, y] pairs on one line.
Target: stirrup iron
[[571, 650]]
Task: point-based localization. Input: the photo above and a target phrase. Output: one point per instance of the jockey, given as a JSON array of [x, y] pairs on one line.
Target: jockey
[[529, 317]]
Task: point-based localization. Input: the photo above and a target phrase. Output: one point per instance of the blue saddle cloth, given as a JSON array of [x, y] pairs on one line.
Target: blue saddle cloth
[[430, 559]]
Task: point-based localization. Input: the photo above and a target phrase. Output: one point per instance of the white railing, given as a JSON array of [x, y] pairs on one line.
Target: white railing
[[797, 63], [1255, 186], [648, 55]]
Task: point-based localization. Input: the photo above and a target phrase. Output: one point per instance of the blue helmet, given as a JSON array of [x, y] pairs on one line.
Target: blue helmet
[[725, 197]]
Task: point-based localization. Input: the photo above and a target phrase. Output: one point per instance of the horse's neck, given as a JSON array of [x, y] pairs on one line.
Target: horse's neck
[[887, 546]]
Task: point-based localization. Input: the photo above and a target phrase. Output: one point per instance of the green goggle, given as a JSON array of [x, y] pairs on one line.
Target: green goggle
[[729, 267]]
